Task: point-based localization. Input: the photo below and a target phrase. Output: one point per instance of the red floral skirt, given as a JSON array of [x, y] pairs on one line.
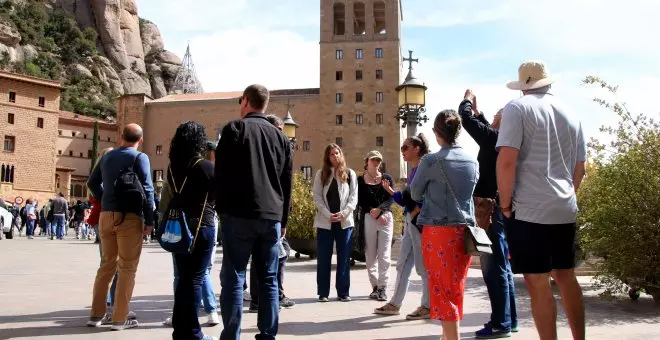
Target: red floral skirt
[[447, 266]]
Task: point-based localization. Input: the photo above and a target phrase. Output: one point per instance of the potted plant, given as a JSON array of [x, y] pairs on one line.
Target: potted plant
[[300, 231]]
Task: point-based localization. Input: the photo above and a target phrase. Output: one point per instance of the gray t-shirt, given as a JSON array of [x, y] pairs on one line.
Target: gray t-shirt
[[550, 144]]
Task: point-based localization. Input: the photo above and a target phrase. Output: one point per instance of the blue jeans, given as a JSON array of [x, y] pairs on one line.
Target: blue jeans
[[207, 297], [410, 255], [324, 241], [57, 226], [498, 277], [241, 238], [30, 228], [111, 294], [192, 268]]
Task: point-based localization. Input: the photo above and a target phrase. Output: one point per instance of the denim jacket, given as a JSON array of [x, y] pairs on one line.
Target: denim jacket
[[462, 172]]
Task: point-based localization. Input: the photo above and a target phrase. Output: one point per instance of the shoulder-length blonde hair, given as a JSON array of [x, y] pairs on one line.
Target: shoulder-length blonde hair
[[101, 154], [326, 169]]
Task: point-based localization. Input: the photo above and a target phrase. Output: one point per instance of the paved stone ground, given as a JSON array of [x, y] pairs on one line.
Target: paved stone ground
[[45, 292]]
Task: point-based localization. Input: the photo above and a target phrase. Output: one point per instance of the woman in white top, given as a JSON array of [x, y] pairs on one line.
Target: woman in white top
[[335, 196]]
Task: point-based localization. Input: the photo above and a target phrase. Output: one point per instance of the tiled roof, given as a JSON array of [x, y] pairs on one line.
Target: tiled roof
[[230, 95], [84, 119], [30, 79]]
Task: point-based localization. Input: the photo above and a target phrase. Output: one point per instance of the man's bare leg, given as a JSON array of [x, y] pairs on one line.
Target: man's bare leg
[[544, 308], [572, 300]]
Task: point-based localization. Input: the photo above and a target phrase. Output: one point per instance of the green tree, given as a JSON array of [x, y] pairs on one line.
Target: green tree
[[619, 200], [303, 210], [95, 146]]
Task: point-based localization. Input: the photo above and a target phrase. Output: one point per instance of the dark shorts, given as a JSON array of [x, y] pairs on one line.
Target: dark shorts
[[539, 248]]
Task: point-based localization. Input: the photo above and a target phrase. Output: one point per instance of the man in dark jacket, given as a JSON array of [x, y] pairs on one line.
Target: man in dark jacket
[[253, 195], [495, 267]]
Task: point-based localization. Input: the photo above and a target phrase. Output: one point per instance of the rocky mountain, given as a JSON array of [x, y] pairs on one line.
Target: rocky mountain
[[98, 48]]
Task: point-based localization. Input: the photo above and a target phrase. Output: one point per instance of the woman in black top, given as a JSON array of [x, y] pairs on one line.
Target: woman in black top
[[193, 178], [376, 223]]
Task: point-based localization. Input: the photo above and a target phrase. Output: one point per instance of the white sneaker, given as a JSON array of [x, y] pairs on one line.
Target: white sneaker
[[214, 319], [168, 321], [94, 323], [126, 325], [246, 296], [107, 319]]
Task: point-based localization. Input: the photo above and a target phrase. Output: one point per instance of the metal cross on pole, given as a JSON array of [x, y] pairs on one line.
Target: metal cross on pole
[[410, 60], [289, 105]]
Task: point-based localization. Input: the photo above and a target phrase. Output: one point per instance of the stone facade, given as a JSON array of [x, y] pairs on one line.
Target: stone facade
[[28, 126], [362, 120]]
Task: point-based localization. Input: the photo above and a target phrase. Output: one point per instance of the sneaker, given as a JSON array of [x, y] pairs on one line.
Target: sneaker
[[208, 337], [382, 295], [323, 299], [246, 296], [107, 319], [254, 308], [168, 322], [287, 303], [421, 313], [514, 329], [125, 325], [374, 294], [94, 322], [489, 332], [387, 309], [214, 319], [345, 298]]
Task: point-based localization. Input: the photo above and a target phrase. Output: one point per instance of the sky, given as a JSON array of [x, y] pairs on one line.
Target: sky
[[460, 44]]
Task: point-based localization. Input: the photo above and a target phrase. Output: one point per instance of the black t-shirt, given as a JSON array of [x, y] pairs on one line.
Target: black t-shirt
[[374, 195], [199, 183]]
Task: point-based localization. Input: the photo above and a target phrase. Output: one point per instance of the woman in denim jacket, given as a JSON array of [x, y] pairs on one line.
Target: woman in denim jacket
[[445, 181]]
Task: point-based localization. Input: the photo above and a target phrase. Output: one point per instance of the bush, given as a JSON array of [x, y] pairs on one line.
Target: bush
[[619, 202], [301, 219]]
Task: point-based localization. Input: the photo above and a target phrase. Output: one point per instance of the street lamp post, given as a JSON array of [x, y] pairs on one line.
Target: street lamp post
[[412, 101], [290, 130]]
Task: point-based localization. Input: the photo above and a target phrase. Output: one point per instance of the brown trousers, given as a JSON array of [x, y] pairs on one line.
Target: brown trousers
[[121, 246]]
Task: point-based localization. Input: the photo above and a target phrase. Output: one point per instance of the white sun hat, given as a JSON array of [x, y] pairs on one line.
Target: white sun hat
[[532, 74]]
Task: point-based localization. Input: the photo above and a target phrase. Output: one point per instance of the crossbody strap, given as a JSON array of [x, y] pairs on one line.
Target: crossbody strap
[[458, 206], [179, 190], [199, 224]]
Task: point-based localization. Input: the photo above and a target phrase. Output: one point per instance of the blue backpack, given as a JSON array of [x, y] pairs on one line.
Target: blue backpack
[[173, 233]]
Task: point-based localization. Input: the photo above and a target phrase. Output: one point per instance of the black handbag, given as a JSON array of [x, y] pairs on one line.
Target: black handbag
[[476, 239]]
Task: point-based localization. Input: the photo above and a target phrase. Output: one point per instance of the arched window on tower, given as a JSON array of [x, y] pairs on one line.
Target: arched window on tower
[[339, 18], [57, 181], [2, 173], [379, 18], [359, 22]]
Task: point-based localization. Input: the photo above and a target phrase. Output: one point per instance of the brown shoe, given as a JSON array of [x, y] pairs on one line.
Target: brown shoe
[[420, 313], [387, 309]]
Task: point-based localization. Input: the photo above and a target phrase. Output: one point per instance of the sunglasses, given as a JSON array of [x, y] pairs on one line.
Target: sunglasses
[[404, 147]]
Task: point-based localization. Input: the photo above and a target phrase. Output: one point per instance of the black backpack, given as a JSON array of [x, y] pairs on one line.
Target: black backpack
[[129, 192]]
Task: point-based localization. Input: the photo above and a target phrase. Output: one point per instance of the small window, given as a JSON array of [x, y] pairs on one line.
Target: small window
[[42, 101], [12, 97], [359, 54], [157, 175], [40, 123], [339, 120], [379, 141], [10, 143], [81, 155], [379, 119], [379, 52], [306, 171], [89, 153], [85, 136], [339, 98], [306, 145], [10, 118], [59, 132], [358, 97], [379, 74], [339, 141], [379, 97], [59, 152], [339, 75], [358, 119], [70, 153], [339, 54], [73, 133], [159, 149], [6, 173], [358, 75], [108, 138]]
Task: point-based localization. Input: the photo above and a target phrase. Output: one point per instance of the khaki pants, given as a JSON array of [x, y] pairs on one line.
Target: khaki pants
[[121, 247]]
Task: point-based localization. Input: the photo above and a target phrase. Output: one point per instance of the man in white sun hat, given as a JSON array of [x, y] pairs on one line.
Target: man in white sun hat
[[540, 165]]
